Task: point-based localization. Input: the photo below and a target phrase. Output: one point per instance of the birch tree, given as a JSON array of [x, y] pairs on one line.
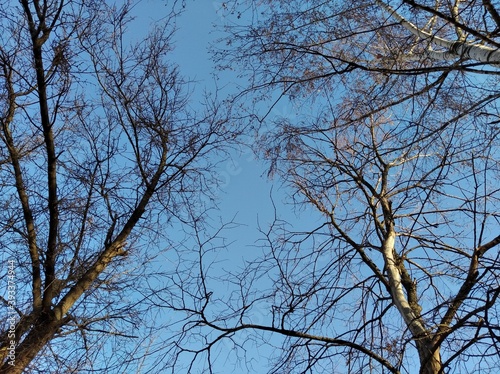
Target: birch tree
[[99, 153], [395, 146]]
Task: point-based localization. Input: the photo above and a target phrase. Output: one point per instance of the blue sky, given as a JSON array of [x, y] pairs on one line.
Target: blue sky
[[246, 190], [245, 194], [245, 187]]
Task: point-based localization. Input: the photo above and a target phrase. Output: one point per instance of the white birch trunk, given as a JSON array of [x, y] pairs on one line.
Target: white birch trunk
[[457, 49], [414, 324]]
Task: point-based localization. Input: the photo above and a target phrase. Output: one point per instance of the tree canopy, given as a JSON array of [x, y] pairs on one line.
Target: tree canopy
[[100, 152], [394, 147]]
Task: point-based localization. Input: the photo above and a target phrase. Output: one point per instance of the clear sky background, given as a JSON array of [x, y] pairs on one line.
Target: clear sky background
[[245, 190], [246, 195]]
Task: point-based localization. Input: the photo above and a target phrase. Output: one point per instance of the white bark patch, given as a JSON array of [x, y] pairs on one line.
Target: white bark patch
[[398, 295], [458, 49]]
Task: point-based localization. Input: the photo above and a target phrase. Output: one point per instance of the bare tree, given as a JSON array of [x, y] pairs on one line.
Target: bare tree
[[99, 153], [400, 159]]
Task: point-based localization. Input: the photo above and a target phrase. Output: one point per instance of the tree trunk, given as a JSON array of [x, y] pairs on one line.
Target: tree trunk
[[31, 346], [475, 52], [429, 364]]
